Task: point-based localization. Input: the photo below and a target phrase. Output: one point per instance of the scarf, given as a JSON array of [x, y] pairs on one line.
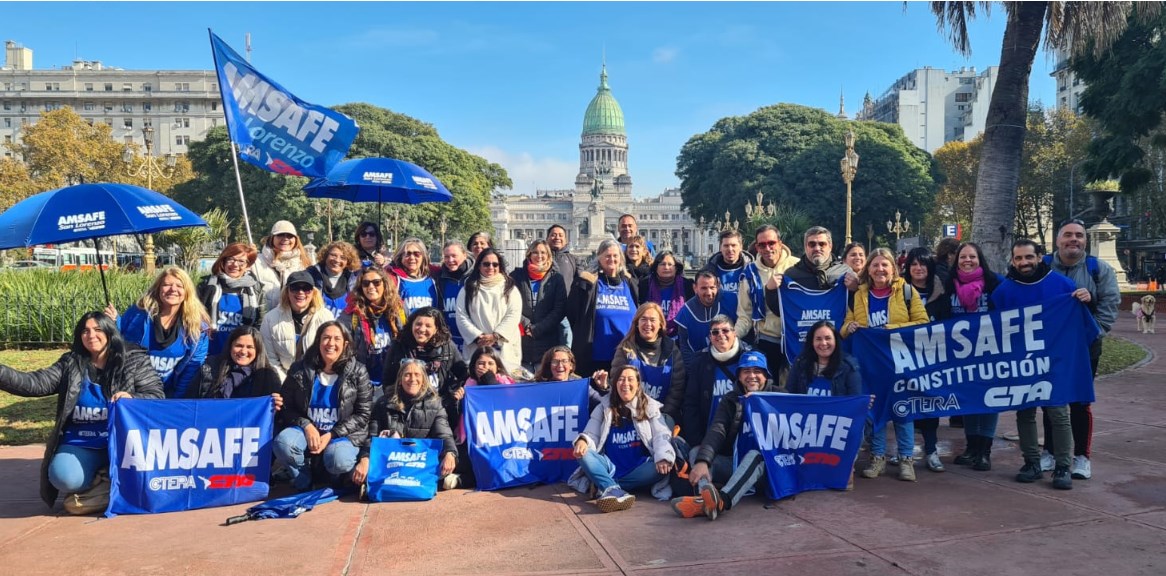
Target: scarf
[[234, 378], [723, 357], [285, 263], [968, 288], [536, 273], [246, 286], [648, 351], [654, 290], [492, 281]]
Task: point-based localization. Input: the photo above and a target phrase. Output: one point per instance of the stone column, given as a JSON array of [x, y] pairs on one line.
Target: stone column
[[1103, 246]]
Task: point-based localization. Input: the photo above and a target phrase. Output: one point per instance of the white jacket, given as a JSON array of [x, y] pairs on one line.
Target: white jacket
[[653, 432], [271, 277], [279, 336], [492, 312]]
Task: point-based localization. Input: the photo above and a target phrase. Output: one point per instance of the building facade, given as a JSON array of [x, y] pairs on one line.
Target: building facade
[[590, 210], [1069, 87], [934, 106], [179, 105]]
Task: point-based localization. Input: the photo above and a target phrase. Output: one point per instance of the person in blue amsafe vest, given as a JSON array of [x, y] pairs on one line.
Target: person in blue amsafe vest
[[625, 446], [335, 275], [413, 410], [375, 316], [728, 264], [667, 286], [96, 371], [241, 370], [171, 325], [649, 349], [713, 462], [327, 404], [600, 309], [692, 322], [231, 294], [426, 338], [712, 377], [410, 272], [450, 278], [370, 245], [544, 303]]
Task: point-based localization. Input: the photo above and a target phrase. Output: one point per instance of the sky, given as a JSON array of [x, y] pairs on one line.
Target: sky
[[511, 81]]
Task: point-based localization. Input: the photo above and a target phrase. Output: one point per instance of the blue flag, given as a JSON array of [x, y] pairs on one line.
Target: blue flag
[[172, 455], [809, 442], [524, 433], [977, 363], [802, 308], [275, 130]]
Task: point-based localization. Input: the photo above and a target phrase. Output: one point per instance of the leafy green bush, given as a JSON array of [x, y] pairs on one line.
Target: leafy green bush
[[42, 306]]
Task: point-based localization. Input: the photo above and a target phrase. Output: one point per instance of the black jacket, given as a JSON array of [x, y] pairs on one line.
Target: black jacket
[[722, 433], [541, 319], [807, 275], [355, 400], [64, 378], [263, 382], [444, 366], [847, 381], [581, 314], [669, 352], [423, 419], [698, 394]]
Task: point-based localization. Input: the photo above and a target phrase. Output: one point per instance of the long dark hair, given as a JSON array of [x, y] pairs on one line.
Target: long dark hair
[[618, 408], [922, 256], [492, 353], [656, 265], [544, 368], [356, 238], [809, 357], [115, 347], [474, 280], [225, 360], [312, 357], [440, 337], [979, 255]]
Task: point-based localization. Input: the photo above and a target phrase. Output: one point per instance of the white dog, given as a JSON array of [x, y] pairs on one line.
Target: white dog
[[1144, 312]]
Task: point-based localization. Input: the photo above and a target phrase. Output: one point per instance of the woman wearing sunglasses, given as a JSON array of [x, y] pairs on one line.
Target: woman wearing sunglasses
[[489, 309], [282, 255], [375, 316], [411, 274], [370, 245], [290, 327]]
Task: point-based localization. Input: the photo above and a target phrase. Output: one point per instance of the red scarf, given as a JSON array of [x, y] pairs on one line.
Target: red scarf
[[534, 273]]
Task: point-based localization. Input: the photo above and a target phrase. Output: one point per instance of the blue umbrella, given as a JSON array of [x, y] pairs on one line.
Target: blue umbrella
[[286, 507], [379, 180], [88, 211]]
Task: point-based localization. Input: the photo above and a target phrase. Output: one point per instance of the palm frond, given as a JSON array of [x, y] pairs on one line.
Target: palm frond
[[1092, 26], [953, 18]]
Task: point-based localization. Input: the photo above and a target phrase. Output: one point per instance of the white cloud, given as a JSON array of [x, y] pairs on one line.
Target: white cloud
[[664, 54], [529, 173]]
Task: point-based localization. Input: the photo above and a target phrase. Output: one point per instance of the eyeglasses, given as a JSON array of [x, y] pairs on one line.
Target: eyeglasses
[[719, 331], [412, 254], [235, 261], [373, 282], [368, 234], [300, 288], [1076, 221], [560, 362], [769, 244], [812, 244], [490, 265]]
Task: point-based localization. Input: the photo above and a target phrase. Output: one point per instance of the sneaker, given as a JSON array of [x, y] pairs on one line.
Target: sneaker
[[893, 460], [614, 499], [451, 481], [876, 467], [1047, 462], [907, 469], [1062, 480], [688, 506], [1082, 470], [1030, 473], [934, 463], [710, 498]]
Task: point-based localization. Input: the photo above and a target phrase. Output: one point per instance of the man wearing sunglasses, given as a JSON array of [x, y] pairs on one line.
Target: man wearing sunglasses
[[773, 259], [818, 268]]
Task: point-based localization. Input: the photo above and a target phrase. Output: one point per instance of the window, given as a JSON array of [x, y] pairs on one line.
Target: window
[[214, 106], [88, 86], [128, 123], [960, 107], [89, 106], [7, 86], [7, 122], [147, 106], [182, 106], [53, 86], [182, 86], [147, 122], [107, 106], [182, 122], [7, 105], [50, 106], [182, 140], [109, 86], [147, 87], [963, 96], [127, 87], [127, 107], [214, 122], [214, 86], [7, 139]]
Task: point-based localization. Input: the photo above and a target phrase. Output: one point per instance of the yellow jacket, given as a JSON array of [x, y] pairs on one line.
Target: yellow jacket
[[897, 313]]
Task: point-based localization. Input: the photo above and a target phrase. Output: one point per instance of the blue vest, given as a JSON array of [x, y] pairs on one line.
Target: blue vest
[[88, 425], [730, 281], [230, 316], [614, 309], [820, 386], [164, 360], [335, 305], [450, 289], [382, 337], [656, 380], [324, 406], [535, 285], [666, 299], [723, 382], [878, 311], [625, 449], [417, 294]]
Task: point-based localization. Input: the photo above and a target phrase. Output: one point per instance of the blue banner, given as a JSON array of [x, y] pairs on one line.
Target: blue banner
[[802, 308], [403, 469], [172, 455], [275, 130], [809, 442], [524, 433], [977, 363]]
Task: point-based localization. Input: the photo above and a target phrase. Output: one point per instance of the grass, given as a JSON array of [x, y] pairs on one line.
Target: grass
[[30, 420]]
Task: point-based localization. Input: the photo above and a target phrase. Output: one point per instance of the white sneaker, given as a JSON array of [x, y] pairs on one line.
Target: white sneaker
[[451, 481], [933, 462], [1081, 469], [1047, 462]]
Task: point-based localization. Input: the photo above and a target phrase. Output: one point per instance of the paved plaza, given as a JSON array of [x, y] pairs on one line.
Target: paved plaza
[[958, 522]]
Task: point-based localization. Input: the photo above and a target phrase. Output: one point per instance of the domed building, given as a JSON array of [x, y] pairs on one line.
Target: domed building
[[602, 193]]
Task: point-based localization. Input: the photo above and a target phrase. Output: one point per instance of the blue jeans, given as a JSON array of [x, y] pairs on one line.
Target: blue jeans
[[596, 466], [904, 439], [73, 467], [291, 447], [980, 424]]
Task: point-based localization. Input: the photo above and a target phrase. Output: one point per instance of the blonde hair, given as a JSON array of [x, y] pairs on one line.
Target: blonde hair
[[348, 251], [193, 315], [628, 344], [316, 303], [269, 242], [643, 244], [399, 256], [864, 276]]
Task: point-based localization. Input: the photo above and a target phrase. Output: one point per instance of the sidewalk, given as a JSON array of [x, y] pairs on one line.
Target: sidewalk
[[958, 522]]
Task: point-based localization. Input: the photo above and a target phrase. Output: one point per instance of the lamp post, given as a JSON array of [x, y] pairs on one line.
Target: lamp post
[[149, 168], [328, 210], [849, 166], [1072, 172], [443, 226], [898, 228]]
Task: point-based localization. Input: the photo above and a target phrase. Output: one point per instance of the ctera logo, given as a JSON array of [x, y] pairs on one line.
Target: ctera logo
[[518, 453]]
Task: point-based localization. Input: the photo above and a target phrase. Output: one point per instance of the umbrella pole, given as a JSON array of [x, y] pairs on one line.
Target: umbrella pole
[[101, 269]]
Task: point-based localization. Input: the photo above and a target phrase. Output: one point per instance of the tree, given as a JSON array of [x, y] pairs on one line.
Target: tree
[[958, 163], [191, 242], [791, 155], [1070, 25], [1055, 143]]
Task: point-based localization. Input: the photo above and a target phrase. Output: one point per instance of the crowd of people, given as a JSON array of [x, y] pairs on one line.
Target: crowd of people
[[365, 343]]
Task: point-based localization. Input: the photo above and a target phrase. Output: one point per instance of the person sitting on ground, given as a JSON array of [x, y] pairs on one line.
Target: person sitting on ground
[[625, 446], [97, 371], [558, 365], [711, 379], [241, 370], [426, 338], [486, 369]]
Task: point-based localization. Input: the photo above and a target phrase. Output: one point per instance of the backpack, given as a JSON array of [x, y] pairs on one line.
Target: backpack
[[1090, 265]]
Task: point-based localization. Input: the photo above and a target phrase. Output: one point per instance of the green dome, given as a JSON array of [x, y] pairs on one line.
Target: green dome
[[603, 115]]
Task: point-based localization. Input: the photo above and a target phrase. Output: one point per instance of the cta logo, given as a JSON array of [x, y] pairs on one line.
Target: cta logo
[[227, 481], [1006, 396]]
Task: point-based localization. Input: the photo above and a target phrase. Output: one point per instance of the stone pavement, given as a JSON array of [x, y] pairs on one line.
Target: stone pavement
[[958, 522]]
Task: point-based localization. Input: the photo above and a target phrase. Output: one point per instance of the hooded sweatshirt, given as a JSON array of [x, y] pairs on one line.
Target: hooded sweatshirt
[[751, 309]]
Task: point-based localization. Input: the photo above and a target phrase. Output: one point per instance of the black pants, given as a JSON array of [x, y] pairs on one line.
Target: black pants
[[1080, 415], [774, 357]]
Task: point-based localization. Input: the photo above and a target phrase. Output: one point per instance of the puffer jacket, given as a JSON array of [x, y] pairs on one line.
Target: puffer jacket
[[672, 402], [541, 318], [444, 367], [136, 326], [261, 382], [422, 418], [721, 437], [847, 381], [64, 379], [279, 336], [355, 400], [698, 394]]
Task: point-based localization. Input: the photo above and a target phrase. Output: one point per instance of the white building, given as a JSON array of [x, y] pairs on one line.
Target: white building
[[935, 107], [1069, 86], [602, 193], [180, 105]]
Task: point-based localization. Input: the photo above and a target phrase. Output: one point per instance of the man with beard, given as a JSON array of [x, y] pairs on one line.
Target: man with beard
[[693, 320], [728, 264], [1031, 281], [818, 269]]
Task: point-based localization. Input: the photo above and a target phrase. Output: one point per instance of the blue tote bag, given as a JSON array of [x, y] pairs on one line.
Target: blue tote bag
[[403, 469]]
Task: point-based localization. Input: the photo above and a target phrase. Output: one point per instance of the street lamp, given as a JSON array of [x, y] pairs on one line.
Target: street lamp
[[849, 167], [898, 228], [443, 226], [328, 209], [149, 167]]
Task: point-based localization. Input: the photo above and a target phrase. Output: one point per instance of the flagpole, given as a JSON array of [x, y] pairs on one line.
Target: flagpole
[[234, 151]]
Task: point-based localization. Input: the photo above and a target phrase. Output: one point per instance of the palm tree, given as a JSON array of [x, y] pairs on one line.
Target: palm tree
[[1071, 26]]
